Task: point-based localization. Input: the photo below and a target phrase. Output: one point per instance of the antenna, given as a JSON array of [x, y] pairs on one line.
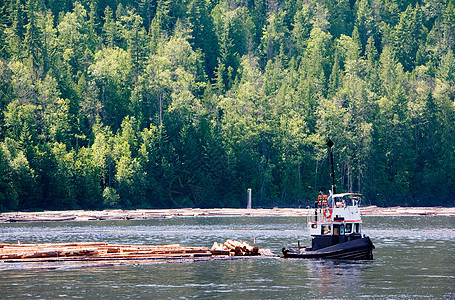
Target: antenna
[[330, 145]]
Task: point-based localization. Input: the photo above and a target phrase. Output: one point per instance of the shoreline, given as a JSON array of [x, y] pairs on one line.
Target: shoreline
[[147, 214]]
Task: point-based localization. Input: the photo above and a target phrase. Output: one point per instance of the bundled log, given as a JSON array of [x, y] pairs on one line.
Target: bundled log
[[219, 249], [235, 248], [241, 248]]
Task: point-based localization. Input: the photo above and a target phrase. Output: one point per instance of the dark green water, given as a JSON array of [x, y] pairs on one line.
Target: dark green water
[[414, 259]]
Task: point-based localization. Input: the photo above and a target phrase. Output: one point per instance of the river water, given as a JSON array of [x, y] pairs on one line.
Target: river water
[[414, 259]]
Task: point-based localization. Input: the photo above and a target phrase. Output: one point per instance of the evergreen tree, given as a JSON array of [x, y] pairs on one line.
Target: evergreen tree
[[8, 194], [365, 22], [135, 36], [73, 38], [110, 30], [3, 26], [49, 42], [16, 32], [203, 33], [33, 35], [407, 34]]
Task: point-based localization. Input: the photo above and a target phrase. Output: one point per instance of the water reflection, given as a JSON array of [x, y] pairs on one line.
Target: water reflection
[[334, 277]]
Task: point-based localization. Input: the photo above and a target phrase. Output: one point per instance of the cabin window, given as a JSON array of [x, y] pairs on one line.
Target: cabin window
[[325, 229], [341, 229], [348, 228], [357, 228]]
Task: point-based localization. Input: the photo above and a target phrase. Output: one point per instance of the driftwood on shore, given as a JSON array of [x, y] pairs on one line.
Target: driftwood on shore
[[146, 214], [93, 251]]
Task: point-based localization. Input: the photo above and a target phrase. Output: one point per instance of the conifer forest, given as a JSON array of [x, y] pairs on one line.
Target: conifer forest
[[188, 103]]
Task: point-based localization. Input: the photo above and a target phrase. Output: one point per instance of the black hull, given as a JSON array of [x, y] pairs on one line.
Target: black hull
[[361, 248]]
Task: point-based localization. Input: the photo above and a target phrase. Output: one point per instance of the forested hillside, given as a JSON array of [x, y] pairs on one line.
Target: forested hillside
[[188, 103]]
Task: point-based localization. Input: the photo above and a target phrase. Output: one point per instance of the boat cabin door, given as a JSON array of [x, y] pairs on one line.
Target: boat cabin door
[[338, 233]]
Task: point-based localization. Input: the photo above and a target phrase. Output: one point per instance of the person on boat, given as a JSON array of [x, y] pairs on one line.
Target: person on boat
[[330, 200]]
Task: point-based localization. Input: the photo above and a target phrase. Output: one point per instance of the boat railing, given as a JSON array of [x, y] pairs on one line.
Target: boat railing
[[310, 216], [319, 215]]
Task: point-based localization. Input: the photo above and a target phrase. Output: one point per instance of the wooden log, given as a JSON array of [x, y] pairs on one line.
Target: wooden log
[[41, 254], [203, 254], [250, 249], [24, 220], [219, 252], [114, 250], [114, 258], [241, 248], [233, 247], [219, 247], [78, 252], [57, 253], [55, 245], [230, 244], [12, 256]]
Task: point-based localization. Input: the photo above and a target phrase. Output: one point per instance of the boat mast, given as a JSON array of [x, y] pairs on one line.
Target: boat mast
[[330, 145]]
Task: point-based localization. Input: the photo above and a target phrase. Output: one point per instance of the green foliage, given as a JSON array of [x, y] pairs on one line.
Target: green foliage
[[190, 103], [111, 70], [110, 197]]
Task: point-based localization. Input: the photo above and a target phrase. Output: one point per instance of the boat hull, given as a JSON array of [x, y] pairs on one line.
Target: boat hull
[[359, 249]]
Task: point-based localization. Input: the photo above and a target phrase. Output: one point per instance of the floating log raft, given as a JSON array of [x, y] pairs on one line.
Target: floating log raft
[[106, 251], [145, 214], [24, 220]]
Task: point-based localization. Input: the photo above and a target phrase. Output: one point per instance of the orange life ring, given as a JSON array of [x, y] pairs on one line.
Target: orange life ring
[[327, 212]]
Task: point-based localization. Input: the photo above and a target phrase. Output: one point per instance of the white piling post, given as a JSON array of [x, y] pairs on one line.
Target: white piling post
[[249, 199]]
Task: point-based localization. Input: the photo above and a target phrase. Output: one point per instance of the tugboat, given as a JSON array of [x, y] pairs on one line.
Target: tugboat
[[335, 227]]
